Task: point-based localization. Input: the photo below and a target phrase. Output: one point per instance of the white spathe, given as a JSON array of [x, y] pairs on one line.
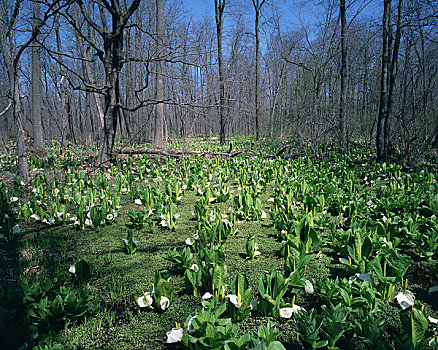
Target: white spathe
[[164, 302], [405, 299], [189, 241], [190, 327], [308, 287], [207, 296], [234, 299], [175, 335], [432, 320], [72, 269], [287, 312], [145, 300]]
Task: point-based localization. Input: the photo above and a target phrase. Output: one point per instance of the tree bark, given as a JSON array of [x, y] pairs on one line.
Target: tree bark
[[380, 140], [392, 76], [38, 137], [219, 6], [159, 80], [343, 93], [112, 59], [62, 90], [257, 7], [86, 62]]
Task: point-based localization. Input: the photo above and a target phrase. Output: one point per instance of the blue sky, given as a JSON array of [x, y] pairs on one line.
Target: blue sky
[[289, 9]]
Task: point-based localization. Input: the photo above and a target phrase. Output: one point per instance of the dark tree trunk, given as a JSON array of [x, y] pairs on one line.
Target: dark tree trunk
[[380, 140], [219, 6], [111, 57], [159, 81], [343, 93], [392, 76], [38, 138], [257, 7]]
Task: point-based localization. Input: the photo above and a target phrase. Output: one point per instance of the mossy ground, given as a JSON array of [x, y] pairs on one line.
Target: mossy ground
[[118, 279]]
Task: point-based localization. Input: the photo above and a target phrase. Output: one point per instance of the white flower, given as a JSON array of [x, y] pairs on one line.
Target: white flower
[[432, 320], [271, 200], [109, 217], [308, 287], [189, 241], [164, 302], [174, 336], [126, 241], [234, 299], [194, 267], [88, 222], [137, 201], [72, 269], [146, 300], [35, 216], [207, 296], [264, 216], [14, 199], [433, 341], [190, 328], [405, 299], [176, 216], [51, 221], [287, 312], [16, 229], [6, 216], [59, 214]]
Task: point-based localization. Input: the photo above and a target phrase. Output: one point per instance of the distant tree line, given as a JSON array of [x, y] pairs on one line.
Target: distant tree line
[[86, 72]]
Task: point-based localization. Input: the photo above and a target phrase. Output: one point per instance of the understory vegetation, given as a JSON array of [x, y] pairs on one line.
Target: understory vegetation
[[335, 251]]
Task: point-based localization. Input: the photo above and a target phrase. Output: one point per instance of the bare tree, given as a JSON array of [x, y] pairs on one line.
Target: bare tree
[[159, 81], [11, 55], [37, 126], [219, 6], [257, 7], [343, 93], [112, 59]]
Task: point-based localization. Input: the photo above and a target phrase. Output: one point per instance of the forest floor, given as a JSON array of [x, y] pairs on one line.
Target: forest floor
[[75, 214]]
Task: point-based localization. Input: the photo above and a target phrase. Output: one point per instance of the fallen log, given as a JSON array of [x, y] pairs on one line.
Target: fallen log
[[167, 153]]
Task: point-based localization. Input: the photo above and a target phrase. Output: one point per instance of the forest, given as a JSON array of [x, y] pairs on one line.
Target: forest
[[221, 174]]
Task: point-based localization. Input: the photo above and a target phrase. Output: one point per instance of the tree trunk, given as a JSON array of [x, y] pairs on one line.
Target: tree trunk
[[257, 7], [38, 138], [159, 81], [219, 6], [22, 169], [392, 76], [380, 140], [62, 90], [343, 93], [86, 63]]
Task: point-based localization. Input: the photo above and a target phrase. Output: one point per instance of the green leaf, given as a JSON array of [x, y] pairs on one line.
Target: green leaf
[[414, 324]]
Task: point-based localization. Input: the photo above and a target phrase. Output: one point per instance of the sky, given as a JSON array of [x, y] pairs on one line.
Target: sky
[[291, 14]]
